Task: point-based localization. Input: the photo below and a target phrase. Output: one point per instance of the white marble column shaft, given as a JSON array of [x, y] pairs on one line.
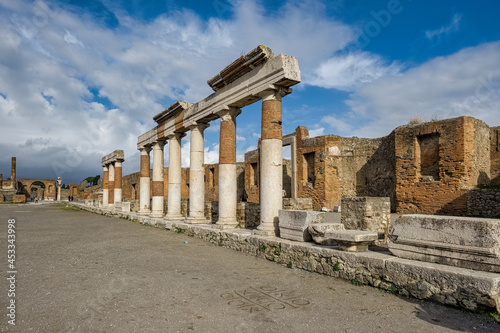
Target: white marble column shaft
[[157, 183], [174, 178]]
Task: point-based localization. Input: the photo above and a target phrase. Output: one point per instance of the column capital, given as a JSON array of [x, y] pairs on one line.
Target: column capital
[[105, 167], [146, 149], [228, 112], [274, 93], [199, 126], [177, 135]]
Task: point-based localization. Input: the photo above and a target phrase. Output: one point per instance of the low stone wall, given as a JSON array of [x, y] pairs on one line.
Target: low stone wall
[[483, 203], [19, 198], [445, 284]]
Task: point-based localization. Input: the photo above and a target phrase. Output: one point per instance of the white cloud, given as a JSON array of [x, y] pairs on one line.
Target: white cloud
[[52, 58], [464, 83], [444, 30], [240, 138], [346, 72], [316, 132], [338, 125]]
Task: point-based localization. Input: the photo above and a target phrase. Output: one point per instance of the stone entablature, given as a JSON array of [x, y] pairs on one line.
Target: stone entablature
[[116, 156]]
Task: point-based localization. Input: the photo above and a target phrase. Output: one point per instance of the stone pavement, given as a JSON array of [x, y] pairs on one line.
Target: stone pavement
[[82, 272]]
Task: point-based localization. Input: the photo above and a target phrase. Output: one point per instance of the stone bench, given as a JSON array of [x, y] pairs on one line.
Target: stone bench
[[293, 223], [348, 240]]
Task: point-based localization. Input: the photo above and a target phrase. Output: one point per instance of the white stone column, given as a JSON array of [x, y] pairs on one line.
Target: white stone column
[[144, 180], [197, 176], [58, 188], [271, 159], [105, 186], [227, 168], [174, 178], [111, 186], [158, 186]]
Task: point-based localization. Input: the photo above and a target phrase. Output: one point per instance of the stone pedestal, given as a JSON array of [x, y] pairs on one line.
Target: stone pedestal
[[157, 200], [144, 183], [174, 178], [197, 176], [368, 214]]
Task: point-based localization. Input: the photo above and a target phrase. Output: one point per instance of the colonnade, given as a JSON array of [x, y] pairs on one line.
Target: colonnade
[[271, 170], [257, 75], [112, 180]]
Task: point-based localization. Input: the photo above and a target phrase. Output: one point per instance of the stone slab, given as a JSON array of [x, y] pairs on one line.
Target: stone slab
[[293, 224], [472, 243], [318, 231]]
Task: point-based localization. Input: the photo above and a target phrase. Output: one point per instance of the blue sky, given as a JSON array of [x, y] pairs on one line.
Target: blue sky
[[79, 79]]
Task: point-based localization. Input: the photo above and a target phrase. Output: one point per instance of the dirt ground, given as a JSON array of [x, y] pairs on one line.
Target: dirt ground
[[81, 272]]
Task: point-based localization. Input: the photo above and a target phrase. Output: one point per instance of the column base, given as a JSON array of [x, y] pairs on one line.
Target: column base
[[144, 212], [156, 214], [174, 217], [225, 223], [266, 230], [197, 220]]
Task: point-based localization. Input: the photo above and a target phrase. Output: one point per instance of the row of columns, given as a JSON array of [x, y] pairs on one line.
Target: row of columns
[[271, 171], [112, 184]]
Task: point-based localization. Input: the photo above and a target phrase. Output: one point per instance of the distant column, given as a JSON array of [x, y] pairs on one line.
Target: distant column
[[111, 186], [174, 178], [58, 188], [271, 169], [158, 186], [227, 168], [13, 173], [145, 195], [197, 176], [105, 185], [1, 181]]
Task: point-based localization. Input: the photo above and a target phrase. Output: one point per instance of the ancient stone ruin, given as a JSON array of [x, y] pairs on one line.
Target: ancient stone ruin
[[450, 166]]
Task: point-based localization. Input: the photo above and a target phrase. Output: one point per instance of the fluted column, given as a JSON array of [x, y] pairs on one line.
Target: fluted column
[[111, 186], [271, 159], [145, 194], [174, 178], [227, 168], [158, 186], [105, 186], [196, 176]]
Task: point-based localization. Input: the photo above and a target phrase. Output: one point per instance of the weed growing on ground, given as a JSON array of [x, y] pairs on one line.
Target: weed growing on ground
[[356, 282]]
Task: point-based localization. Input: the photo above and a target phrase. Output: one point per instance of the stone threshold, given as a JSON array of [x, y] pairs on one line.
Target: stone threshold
[[454, 286]]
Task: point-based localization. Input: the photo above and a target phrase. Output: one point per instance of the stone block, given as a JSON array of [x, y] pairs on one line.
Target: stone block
[[472, 243], [368, 214], [348, 240], [19, 198], [2, 198], [126, 207], [293, 223], [319, 230]]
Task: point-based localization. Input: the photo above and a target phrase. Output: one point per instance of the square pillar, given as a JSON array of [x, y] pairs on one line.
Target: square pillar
[[197, 176], [144, 183], [174, 178], [227, 168], [157, 183]]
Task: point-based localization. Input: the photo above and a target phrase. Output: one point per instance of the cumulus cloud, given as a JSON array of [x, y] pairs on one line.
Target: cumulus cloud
[[464, 83], [90, 84], [348, 71]]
